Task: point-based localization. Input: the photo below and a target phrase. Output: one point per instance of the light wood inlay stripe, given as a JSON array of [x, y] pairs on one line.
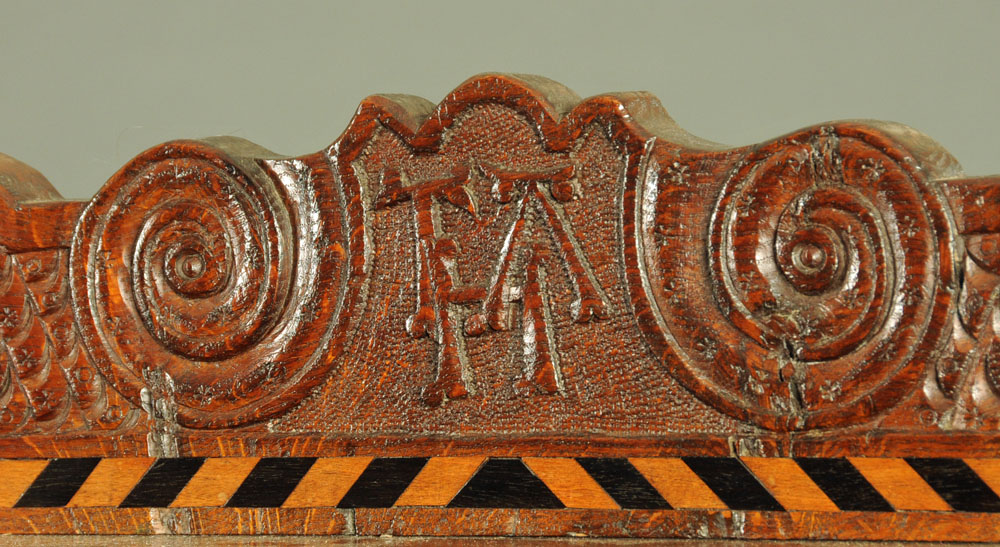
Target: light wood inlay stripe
[[110, 482], [789, 484], [215, 482], [570, 483], [675, 481], [988, 470], [899, 484], [17, 476], [440, 480], [326, 482], [797, 485]]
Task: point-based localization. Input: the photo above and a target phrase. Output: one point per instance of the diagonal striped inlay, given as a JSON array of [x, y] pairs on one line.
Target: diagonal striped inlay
[[675, 481], [439, 481], [899, 484], [382, 482], [162, 482], [270, 482], [843, 484], [215, 482], [326, 482], [789, 484], [56, 485], [733, 483], [506, 483], [816, 485], [18, 476], [988, 470], [623, 482], [110, 482], [957, 483], [568, 480]]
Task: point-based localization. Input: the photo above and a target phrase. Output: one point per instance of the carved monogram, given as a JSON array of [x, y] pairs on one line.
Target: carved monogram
[[526, 198], [517, 261]]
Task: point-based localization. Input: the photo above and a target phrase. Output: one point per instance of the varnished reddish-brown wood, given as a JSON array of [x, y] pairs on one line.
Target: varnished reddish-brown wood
[[515, 272], [34, 214], [927, 526], [208, 521]]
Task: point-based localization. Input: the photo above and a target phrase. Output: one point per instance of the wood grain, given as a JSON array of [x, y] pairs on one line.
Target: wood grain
[[110, 482], [215, 482], [440, 480], [675, 481], [789, 484], [18, 476], [456, 318], [900, 484], [570, 483], [326, 482]]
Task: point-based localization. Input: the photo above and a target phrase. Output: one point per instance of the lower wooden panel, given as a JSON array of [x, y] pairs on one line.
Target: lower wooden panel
[[679, 524], [432, 521], [197, 520]]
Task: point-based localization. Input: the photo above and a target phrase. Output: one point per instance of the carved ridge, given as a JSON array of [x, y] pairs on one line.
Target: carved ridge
[[212, 277], [898, 249]]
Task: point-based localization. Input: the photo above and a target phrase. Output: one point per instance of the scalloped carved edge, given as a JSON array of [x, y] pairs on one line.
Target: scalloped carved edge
[[636, 123]]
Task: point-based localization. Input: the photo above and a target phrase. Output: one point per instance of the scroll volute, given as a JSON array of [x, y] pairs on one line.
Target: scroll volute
[[206, 275]]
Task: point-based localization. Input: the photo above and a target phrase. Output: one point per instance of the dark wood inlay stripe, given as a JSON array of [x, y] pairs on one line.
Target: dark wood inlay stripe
[[843, 484], [623, 482], [58, 482], [271, 482], [382, 482], [162, 482], [957, 483], [506, 483], [733, 483]]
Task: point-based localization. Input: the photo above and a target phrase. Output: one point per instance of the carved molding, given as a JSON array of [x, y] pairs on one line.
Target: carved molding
[[814, 281], [513, 271]]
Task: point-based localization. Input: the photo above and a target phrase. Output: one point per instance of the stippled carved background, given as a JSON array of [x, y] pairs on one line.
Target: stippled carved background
[[511, 261]]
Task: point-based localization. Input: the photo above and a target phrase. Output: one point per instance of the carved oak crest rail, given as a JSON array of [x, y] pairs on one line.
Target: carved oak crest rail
[[513, 313]]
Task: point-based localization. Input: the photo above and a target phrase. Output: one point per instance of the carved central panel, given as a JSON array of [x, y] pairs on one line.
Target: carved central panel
[[499, 267], [511, 312], [493, 292], [533, 243], [521, 262]]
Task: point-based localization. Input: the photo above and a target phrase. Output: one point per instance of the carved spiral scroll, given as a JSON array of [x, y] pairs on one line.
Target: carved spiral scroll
[[801, 264], [830, 279], [196, 282], [195, 257]]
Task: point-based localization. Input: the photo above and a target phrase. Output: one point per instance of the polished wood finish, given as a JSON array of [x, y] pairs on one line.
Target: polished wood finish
[[515, 298]]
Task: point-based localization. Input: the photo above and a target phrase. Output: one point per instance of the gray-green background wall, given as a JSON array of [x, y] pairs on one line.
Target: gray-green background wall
[[84, 86]]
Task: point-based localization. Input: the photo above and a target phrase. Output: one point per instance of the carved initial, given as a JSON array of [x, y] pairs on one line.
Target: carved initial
[[525, 198], [511, 241]]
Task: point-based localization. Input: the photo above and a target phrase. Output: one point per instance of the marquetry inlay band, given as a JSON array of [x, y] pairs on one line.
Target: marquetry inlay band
[[749, 484]]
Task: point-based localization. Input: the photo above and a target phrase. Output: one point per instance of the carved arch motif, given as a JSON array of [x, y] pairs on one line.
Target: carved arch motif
[[814, 281]]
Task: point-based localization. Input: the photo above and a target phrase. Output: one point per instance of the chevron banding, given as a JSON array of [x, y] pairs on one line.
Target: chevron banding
[[678, 484]]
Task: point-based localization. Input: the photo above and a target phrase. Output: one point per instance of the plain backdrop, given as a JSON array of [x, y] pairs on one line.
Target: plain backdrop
[[84, 86]]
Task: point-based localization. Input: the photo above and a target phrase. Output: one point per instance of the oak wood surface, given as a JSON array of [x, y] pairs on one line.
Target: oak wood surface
[[515, 297]]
